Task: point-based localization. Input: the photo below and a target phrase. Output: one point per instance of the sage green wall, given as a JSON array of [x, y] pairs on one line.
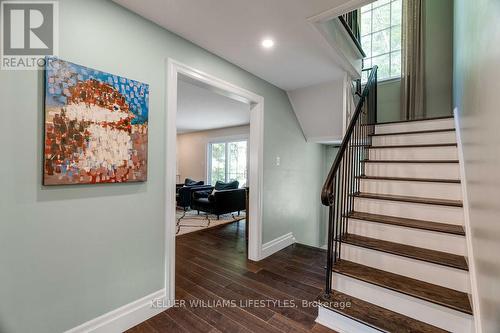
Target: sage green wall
[[438, 66], [330, 152], [438, 57], [389, 101], [71, 253], [475, 96]]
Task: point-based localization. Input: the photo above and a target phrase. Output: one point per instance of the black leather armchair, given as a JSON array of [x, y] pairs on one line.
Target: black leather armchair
[[219, 202], [185, 192]]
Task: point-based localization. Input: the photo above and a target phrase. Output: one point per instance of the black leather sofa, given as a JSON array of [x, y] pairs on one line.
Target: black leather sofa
[[227, 198], [185, 192]]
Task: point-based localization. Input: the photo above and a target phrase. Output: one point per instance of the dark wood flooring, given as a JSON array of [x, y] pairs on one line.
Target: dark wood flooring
[[211, 266]]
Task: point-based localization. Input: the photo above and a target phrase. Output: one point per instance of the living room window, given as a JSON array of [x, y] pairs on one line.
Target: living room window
[[381, 37], [228, 161]]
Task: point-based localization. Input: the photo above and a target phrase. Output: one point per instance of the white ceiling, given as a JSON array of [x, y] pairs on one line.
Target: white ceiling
[[200, 109], [233, 29]]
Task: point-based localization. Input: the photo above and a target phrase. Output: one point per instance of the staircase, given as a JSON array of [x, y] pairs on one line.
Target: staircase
[[397, 250]]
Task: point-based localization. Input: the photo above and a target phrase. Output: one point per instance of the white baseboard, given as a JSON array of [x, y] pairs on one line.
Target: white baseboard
[[125, 317], [277, 244]]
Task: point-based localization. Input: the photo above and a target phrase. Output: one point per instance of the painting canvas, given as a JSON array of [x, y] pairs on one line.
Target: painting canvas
[[96, 126]]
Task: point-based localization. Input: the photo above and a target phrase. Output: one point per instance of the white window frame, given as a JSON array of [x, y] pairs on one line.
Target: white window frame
[[390, 51], [226, 140]]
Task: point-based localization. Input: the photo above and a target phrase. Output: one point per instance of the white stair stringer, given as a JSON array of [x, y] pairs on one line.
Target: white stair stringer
[[414, 139], [421, 189], [437, 274], [340, 323], [425, 311], [414, 153], [421, 125], [433, 240], [410, 210]]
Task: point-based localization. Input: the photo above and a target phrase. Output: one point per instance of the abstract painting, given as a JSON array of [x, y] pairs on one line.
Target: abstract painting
[[96, 126]]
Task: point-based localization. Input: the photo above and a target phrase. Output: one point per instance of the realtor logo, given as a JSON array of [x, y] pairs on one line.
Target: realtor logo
[[29, 32]]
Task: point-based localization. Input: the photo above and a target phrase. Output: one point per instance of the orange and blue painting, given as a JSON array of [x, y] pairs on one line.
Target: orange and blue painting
[[96, 126]]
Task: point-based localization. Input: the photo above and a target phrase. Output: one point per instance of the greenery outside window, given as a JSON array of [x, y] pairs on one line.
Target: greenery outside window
[[381, 38], [228, 161]]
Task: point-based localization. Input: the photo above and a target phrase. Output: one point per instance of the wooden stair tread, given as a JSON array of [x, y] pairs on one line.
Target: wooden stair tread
[[410, 161], [410, 223], [431, 145], [405, 198], [430, 180], [446, 297], [375, 316], [415, 132], [408, 251]]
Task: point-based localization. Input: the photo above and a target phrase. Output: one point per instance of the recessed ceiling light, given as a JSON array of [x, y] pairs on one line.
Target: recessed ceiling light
[[267, 43]]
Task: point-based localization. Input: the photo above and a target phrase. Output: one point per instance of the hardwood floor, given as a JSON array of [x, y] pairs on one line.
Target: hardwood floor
[[211, 267]]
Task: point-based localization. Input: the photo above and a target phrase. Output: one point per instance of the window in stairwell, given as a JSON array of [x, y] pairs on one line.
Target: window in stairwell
[[381, 37]]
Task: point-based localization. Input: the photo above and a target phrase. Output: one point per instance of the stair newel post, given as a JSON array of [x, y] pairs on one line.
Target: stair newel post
[[338, 211], [329, 255], [332, 247]]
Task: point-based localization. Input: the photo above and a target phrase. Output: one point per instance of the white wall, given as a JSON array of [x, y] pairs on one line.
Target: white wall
[[476, 89], [319, 109], [192, 150]]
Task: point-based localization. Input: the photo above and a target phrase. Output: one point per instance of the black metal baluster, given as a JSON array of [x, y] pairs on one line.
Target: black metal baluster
[[344, 178], [337, 216]]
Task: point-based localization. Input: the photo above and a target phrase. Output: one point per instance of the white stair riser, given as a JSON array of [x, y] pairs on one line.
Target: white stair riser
[[440, 275], [414, 153], [340, 323], [413, 170], [449, 191], [433, 314], [432, 240], [415, 126], [414, 139], [426, 212]]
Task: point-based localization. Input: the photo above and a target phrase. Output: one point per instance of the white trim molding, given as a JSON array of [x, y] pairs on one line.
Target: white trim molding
[[175, 70], [468, 229], [348, 62], [277, 244], [338, 10], [325, 140], [125, 317]]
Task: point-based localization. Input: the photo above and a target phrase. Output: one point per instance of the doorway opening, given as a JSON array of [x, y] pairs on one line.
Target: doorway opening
[[228, 151]]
